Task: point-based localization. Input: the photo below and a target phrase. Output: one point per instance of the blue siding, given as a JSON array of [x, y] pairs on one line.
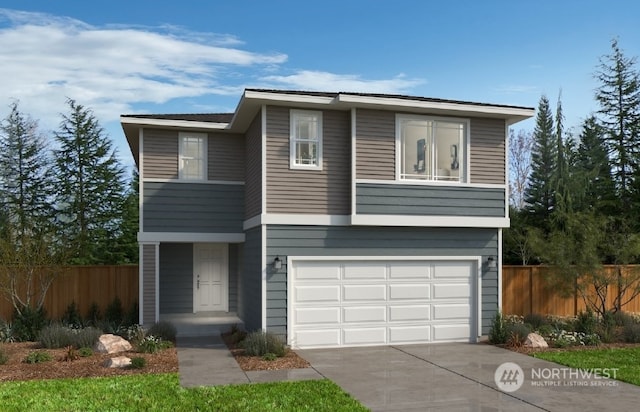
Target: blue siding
[[193, 207], [386, 199], [176, 278], [251, 281], [286, 241]]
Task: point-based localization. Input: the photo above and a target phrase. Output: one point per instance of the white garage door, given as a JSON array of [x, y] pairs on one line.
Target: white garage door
[[357, 303]]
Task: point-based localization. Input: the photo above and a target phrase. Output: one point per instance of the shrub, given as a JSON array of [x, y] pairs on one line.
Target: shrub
[[138, 362], [562, 339], [28, 323], [498, 331], [132, 317], [71, 316], [544, 330], [152, 344], [269, 356], [6, 332], [163, 330], [586, 322], [86, 337], [59, 336], [259, 343], [4, 358], [85, 352], [114, 313], [631, 333], [135, 333], [71, 354], [623, 319], [535, 320], [517, 334], [93, 315], [38, 356]]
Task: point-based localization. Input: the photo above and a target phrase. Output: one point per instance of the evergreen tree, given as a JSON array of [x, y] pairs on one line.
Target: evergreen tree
[[127, 241], [90, 187], [540, 193]]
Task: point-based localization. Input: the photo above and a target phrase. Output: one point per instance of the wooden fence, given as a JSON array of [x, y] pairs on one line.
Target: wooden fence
[[527, 289], [85, 285]]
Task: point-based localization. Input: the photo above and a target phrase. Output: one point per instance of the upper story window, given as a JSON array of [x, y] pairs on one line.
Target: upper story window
[[305, 141], [431, 149], [192, 160]]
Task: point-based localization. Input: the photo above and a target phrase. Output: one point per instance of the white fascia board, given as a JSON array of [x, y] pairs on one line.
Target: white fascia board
[[183, 124], [287, 97], [304, 219], [433, 183], [178, 237], [429, 221]]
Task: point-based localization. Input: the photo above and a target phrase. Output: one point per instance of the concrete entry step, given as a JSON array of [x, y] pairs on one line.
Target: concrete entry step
[[203, 323]]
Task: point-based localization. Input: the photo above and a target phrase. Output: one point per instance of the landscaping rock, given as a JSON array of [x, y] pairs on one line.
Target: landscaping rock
[[112, 344], [535, 341], [118, 362]]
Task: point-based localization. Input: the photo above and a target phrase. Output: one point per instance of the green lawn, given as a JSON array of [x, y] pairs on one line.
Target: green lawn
[[627, 360], [162, 392]]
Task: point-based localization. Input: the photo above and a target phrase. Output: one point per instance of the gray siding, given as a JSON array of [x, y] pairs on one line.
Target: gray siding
[[160, 154], [233, 277], [384, 199], [375, 144], [251, 280], [325, 191], [487, 151], [193, 207], [148, 284], [176, 278], [286, 241], [253, 168], [226, 157]]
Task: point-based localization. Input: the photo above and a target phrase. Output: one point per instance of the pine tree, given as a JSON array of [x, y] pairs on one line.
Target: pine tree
[[540, 194], [127, 241], [90, 186]]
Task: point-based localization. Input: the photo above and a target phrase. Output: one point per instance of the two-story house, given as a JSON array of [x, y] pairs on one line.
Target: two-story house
[[333, 219]]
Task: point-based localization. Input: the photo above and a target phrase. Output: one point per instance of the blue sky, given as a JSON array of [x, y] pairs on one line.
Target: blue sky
[[197, 56]]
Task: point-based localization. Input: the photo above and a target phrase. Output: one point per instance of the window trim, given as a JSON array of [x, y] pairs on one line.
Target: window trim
[[205, 155], [464, 160], [293, 139]]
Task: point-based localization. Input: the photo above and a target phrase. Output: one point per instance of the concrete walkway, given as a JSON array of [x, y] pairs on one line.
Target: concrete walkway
[[206, 361]]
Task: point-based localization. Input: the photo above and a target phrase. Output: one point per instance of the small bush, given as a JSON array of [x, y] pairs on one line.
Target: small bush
[[60, 336], [85, 352], [38, 356], [86, 337], [498, 331], [259, 343], [114, 313], [535, 320], [6, 332], [27, 323], [152, 344], [517, 334], [623, 319], [163, 330], [269, 356], [4, 358], [135, 334], [71, 316], [544, 330], [631, 333], [71, 354], [586, 322], [138, 362], [132, 317], [93, 315]]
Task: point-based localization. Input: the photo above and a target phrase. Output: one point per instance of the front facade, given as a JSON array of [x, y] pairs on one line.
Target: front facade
[[332, 219]]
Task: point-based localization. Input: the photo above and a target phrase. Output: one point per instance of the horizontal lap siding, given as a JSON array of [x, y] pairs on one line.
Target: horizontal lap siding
[[193, 207], [148, 284], [488, 154], [309, 191], [375, 144], [284, 241], [176, 278], [253, 168], [233, 277], [160, 154], [226, 157], [251, 280], [383, 199]]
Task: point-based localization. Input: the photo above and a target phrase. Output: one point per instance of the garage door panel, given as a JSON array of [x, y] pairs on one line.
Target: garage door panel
[[446, 312], [451, 332], [317, 338], [352, 293], [451, 270], [409, 270], [364, 336], [409, 313], [365, 271], [317, 271], [451, 291], [409, 334], [409, 291], [312, 316], [326, 293], [365, 314]]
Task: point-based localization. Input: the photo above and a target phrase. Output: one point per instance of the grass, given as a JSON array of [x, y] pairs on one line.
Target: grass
[[627, 360], [162, 392]]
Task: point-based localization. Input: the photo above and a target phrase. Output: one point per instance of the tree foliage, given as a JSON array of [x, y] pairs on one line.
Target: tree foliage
[[520, 145]]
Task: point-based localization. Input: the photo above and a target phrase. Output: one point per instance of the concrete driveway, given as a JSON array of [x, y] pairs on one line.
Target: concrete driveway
[[461, 377]]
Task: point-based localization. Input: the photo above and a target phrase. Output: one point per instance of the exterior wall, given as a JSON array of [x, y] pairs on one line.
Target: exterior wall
[[382, 199], [251, 280], [375, 144], [192, 207], [488, 154], [325, 191], [253, 169], [286, 241], [176, 278], [233, 277], [148, 284], [226, 157], [160, 160]]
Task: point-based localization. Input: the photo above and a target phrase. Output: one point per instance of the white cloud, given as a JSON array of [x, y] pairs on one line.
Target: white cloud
[[325, 81], [517, 89]]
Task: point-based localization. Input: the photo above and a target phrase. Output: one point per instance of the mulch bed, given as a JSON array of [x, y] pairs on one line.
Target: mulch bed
[[255, 363]]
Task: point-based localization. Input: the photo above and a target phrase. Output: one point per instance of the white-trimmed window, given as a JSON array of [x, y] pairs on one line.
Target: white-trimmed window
[[192, 159], [431, 149], [305, 141]]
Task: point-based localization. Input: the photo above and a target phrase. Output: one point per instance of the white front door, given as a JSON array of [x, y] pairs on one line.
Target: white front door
[[210, 277]]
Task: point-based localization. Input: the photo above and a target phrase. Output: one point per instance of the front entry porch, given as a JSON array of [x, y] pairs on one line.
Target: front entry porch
[[202, 323]]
